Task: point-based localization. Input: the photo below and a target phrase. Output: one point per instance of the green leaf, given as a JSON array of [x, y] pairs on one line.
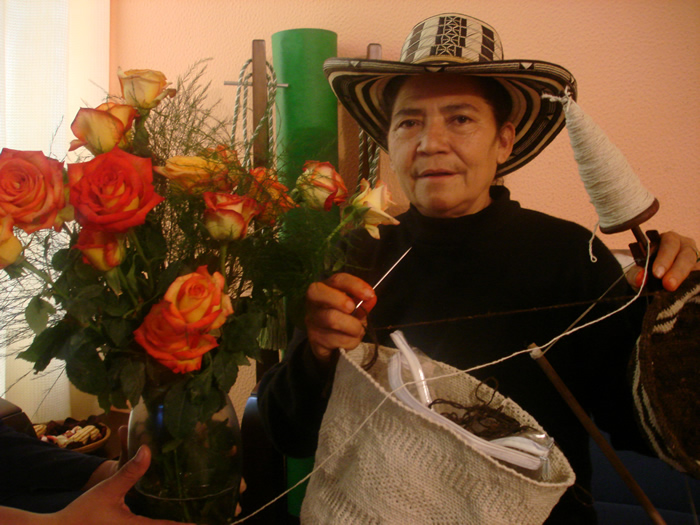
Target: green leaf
[[37, 314], [225, 370], [112, 280], [133, 379], [49, 344], [62, 258], [86, 370], [118, 330], [240, 334]]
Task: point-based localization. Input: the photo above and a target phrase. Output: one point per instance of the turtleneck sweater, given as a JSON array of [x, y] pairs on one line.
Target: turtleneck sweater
[[475, 289]]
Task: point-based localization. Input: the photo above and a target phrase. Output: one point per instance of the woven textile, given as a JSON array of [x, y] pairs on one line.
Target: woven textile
[[665, 376], [403, 468]]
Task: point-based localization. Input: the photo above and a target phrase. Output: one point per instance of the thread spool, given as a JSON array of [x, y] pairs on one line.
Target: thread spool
[[621, 201]]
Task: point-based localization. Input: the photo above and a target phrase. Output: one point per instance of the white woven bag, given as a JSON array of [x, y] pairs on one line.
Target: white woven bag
[[403, 468]]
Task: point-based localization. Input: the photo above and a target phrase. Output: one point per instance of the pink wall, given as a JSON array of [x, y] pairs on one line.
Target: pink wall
[[637, 63]]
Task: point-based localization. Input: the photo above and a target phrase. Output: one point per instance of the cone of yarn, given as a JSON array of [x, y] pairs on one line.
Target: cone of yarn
[[614, 189]]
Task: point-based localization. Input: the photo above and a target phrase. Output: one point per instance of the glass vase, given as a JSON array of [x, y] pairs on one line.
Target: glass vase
[[194, 477]]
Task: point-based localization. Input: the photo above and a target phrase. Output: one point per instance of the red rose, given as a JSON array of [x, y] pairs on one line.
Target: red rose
[[31, 189], [103, 250], [112, 192]]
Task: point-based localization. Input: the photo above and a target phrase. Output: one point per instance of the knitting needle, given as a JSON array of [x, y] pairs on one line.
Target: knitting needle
[[384, 276]]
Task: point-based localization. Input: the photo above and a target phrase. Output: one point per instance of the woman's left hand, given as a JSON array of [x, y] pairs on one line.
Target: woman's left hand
[[676, 257]]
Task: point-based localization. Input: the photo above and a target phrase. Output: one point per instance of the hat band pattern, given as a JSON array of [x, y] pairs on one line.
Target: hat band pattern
[[453, 37]]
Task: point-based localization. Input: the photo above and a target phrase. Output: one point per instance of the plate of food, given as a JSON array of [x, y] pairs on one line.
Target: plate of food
[[85, 435]]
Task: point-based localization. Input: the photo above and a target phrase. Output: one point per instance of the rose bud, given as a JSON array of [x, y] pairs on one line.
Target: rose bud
[[227, 216], [144, 88], [102, 128], [10, 247], [103, 250], [321, 186], [377, 200], [196, 174]]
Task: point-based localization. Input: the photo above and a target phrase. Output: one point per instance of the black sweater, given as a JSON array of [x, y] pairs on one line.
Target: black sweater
[[477, 288]]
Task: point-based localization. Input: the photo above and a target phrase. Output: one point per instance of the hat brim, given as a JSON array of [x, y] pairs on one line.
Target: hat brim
[[359, 85]]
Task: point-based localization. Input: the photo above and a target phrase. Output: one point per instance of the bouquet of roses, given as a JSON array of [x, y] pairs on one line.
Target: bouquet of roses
[[161, 259]]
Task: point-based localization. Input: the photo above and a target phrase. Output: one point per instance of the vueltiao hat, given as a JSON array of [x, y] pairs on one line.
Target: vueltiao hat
[[458, 44]]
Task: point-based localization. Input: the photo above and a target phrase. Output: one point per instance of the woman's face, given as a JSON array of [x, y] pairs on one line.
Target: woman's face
[[444, 144]]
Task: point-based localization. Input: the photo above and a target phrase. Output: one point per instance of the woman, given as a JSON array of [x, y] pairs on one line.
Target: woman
[[454, 117]]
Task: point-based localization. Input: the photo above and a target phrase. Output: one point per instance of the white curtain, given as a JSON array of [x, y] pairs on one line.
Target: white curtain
[[54, 58]]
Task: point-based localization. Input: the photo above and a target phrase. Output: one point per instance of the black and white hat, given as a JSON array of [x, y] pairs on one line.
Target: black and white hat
[[458, 44]]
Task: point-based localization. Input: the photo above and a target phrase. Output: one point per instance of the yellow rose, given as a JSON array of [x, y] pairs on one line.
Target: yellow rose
[[144, 88], [102, 128], [10, 247], [377, 200], [321, 186], [196, 174]]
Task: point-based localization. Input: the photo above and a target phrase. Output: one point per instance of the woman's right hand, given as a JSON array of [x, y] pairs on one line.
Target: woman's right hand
[[332, 320]]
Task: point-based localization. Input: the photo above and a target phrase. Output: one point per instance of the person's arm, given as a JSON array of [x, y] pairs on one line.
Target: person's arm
[[101, 505], [676, 258]]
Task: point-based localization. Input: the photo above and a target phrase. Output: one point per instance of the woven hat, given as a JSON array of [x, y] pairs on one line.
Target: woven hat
[[458, 44]]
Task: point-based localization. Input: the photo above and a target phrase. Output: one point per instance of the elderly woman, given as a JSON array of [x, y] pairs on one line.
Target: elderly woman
[[454, 116]]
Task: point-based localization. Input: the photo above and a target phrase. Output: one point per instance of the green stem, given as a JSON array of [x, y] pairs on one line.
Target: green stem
[[133, 238], [39, 273], [223, 254], [128, 289], [350, 217]]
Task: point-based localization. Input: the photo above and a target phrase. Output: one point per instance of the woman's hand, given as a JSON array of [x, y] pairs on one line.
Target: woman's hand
[[332, 319], [676, 257]]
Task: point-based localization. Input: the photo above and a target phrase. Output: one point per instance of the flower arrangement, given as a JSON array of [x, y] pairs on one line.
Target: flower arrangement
[[162, 260]]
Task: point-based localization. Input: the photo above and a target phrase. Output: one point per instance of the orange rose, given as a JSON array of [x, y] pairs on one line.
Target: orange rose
[[31, 189], [144, 88], [376, 200], [196, 174], [169, 342], [227, 216], [10, 247], [321, 186], [103, 250], [112, 192], [176, 331], [199, 300], [271, 194], [102, 128]]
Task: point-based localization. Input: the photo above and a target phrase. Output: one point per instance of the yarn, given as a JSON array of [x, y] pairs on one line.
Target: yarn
[[614, 189]]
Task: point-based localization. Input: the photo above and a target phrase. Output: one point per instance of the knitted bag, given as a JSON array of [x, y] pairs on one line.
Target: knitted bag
[[402, 467], [665, 376]]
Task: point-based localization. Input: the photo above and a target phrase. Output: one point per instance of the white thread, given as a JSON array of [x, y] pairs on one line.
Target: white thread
[[615, 191]]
